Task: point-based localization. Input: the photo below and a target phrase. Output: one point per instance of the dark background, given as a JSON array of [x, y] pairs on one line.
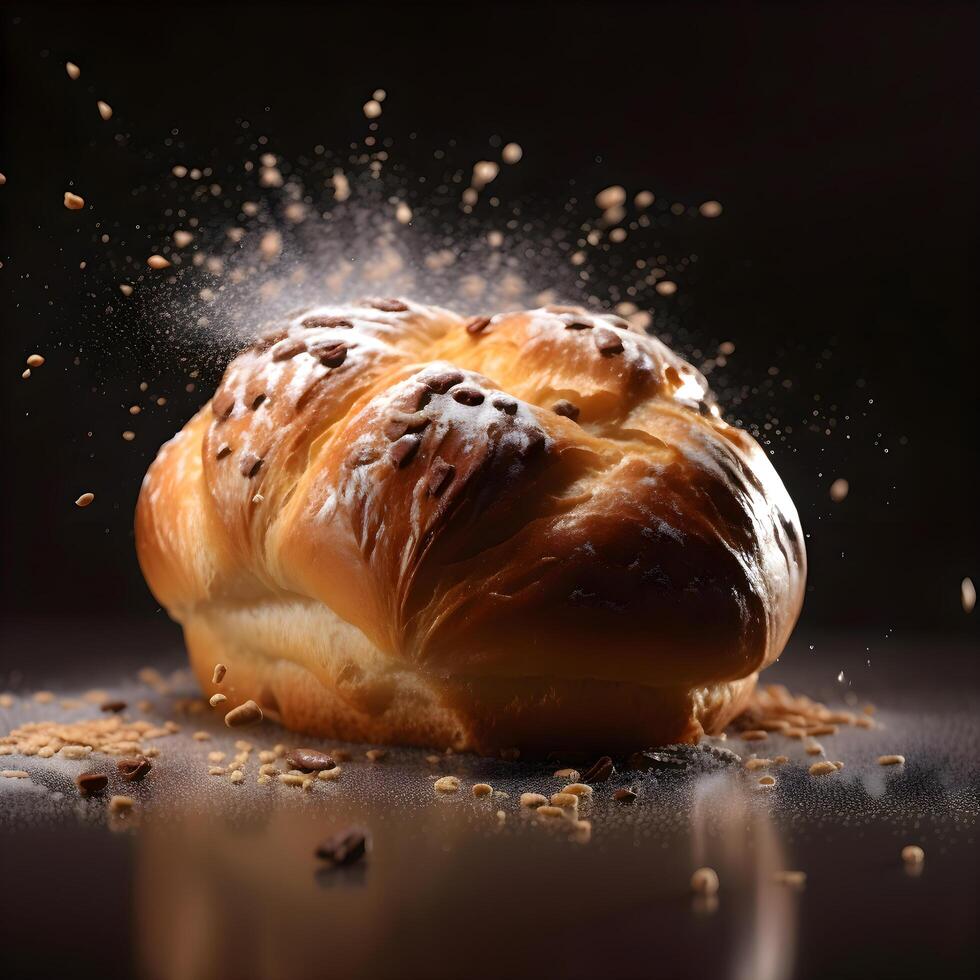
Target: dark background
[[840, 138]]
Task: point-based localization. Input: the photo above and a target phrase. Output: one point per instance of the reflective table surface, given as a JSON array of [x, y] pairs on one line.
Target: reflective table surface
[[208, 879]]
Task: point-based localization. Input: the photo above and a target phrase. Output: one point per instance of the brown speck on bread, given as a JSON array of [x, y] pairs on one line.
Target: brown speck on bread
[[223, 450], [440, 476], [388, 305], [250, 464], [477, 324], [316, 322], [607, 341], [468, 396], [330, 355], [441, 382], [566, 408], [403, 451]]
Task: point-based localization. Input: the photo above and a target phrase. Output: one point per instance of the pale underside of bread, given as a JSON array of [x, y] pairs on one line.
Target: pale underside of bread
[[315, 673], [610, 580]]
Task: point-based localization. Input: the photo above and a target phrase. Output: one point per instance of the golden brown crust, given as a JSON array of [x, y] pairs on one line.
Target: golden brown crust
[[384, 520]]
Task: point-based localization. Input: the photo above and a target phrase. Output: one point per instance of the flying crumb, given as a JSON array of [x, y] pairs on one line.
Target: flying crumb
[[379, 95], [73, 202], [129, 435], [372, 109], [183, 238], [73, 70], [85, 499], [666, 288], [611, 197], [35, 360], [710, 209], [644, 199], [446, 784], [968, 595], [403, 213], [3, 179], [913, 854], [157, 262], [105, 110], [125, 289], [839, 490], [512, 153]]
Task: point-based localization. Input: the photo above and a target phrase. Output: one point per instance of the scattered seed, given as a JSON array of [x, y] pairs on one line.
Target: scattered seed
[[309, 760], [565, 801], [35, 360], [891, 760], [134, 770], [237, 776], [73, 202], [704, 881], [90, 783], [813, 748], [157, 262], [14, 774], [216, 770], [572, 774], [219, 673], [105, 110], [201, 736], [446, 784], [579, 789], [754, 735], [216, 699], [344, 848], [482, 789], [599, 771], [913, 854], [292, 779], [85, 499], [822, 768], [329, 774], [533, 800], [121, 804], [113, 707], [73, 70], [248, 713], [624, 795], [767, 781]]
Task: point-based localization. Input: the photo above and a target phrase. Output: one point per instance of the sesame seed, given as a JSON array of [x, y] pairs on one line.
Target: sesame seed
[[216, 699], [248, 713], [14, 774], [446, 784], [35, 360], [822, 768], [72, 69], [710, 209], [511, 153], [767, 781], [105, 110], [329, 774], [85, 499], [73, 202], [533, 800], [158, 262], [129, 435], [201, 736], [572, 774], [218, 674], [216, 770], [579, 789], [891, 760], [754, 735]]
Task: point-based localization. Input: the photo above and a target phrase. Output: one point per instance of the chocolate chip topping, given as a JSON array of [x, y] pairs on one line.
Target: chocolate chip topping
[[412, 399], [506, 405], [441, 383], [388, 305], [250, 464], [313, 322], [468, 396], [330, 354], [607, 341], [402, 452], [344, 848], [286, 349], [134, 769], [257, 400], [599, 771], [223, 450], [566, 408], [624, 795], [309, 760], [113, 706], [90, 783], [441, 475], [267, 340], [403, 422], [222, 404], [477, 324]]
